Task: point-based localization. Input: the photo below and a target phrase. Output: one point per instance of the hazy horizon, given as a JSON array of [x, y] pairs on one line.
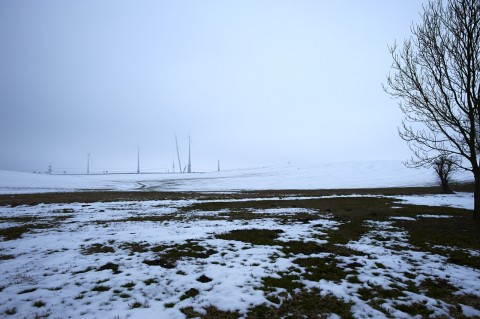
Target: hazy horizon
[[254, 83]]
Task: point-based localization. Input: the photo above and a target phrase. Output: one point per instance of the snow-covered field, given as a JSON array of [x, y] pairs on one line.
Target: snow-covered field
[[319, 176], [168, 259], [101, 260]]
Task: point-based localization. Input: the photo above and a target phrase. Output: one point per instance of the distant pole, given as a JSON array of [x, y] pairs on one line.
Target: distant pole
[[173, 167], [178, 155], [219, 165], [138, 160], [50, 168], [88, 163], [189, 159]]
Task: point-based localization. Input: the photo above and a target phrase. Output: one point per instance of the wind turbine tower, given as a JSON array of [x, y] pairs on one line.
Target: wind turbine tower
[[178, 155], [189, 159], [88, 163], [138, 160]]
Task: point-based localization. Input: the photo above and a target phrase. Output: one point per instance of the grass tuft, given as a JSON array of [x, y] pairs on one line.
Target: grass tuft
[[192, 292], [110, 266], [26, 291], [101, 288], [129, 285], [39, 304], [204, 279], [135, 247], [97, 249], [162, 262], [150, 281], [10, 311]]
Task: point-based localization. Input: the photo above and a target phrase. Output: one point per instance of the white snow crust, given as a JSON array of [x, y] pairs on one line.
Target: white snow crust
[[320, 176], [50, 265]]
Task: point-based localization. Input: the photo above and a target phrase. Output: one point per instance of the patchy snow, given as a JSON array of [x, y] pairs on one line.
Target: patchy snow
[[470, 311], [402, 218], [61, 262], [457, 200], [434, 216], [51, 264], [320, 176]]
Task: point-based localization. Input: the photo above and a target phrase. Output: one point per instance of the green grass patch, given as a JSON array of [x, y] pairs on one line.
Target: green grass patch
[[285, 281], [296, 247], [415, 309], [253, 236], [309, 247], [14, 232], [189, 249], [439, 288], [135, 247], [349, 230], [317, 268], [457, 232], [162, 262], [29, 224], [96, 248], [374, 292], [304, 304], [27, 219]]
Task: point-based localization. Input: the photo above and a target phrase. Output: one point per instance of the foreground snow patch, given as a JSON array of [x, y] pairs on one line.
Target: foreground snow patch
[[457, 200], [100, 260]]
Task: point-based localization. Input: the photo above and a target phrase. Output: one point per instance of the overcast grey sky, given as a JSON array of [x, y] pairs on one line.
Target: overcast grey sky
[[254, 82]]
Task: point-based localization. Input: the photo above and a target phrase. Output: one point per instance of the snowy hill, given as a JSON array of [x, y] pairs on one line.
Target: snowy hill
[[319, 176]]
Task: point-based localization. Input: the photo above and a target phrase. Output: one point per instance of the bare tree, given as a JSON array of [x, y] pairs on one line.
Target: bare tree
[[444, 167], [436, 77]]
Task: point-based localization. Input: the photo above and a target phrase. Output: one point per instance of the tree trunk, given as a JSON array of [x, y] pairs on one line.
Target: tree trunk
[[476, 196], [445, 186]]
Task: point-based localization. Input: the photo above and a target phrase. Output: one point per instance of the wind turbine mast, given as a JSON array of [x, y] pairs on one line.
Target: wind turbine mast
[[178, 155], [138, 160], [88, 163], [189, 158]]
